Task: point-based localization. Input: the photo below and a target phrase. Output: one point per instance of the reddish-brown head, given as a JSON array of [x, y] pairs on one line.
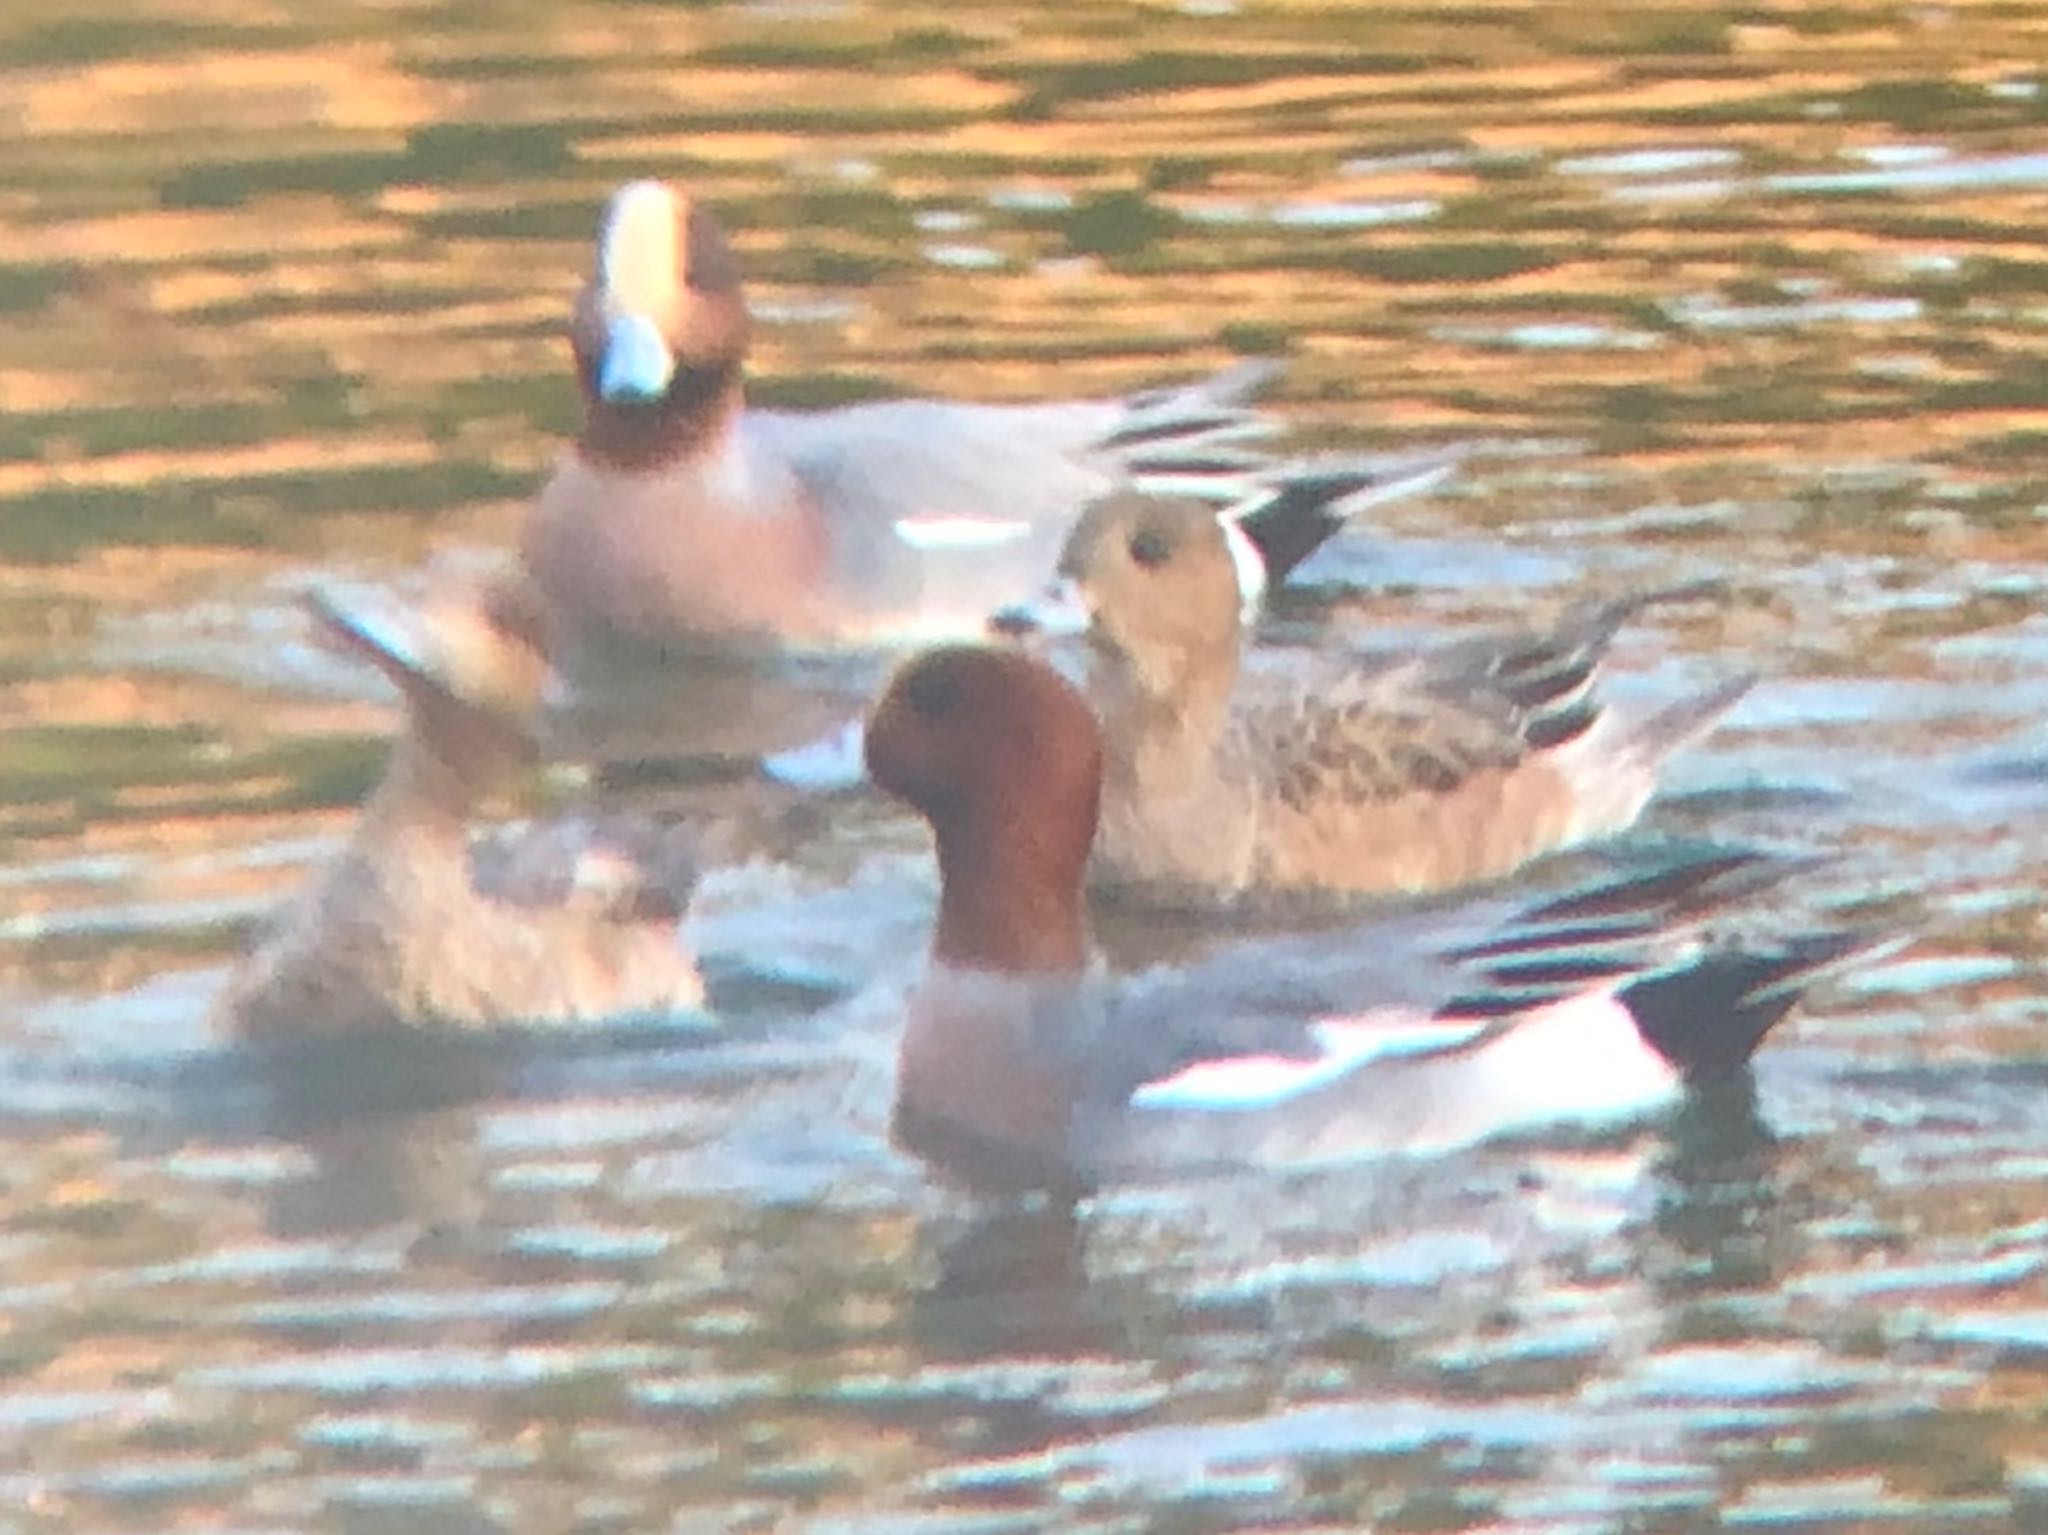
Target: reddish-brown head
[[1002, 756]]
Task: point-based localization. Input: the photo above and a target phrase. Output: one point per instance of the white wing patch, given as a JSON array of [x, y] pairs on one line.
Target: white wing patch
[[1346, 1044], [1579, 1060], [952, 530], [828, 764]]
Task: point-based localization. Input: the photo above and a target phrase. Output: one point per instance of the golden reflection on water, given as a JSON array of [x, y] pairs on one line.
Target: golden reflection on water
[[1749, 292], [283, 287]]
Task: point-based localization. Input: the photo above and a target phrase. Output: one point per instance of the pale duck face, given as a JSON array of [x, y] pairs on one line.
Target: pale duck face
[[1162, 590], [640, 267]]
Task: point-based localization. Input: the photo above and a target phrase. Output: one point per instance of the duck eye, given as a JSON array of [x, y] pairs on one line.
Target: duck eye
[[1150, 547], [933, 691]]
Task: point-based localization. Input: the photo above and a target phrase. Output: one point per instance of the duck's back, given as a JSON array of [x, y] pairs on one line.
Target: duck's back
[[1332, 782], [416, 942], [1373, 782], [939, 513]]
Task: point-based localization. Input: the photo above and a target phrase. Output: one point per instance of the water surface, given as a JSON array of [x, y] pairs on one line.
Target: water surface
[[1750, 293]]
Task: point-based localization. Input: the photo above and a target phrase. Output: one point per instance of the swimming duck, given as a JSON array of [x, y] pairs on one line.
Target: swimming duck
[[1348, 779], [413, 925], [684, 518], [1021, 1068]]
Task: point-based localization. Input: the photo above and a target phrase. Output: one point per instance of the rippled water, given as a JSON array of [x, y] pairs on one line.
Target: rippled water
[[1753, 293]]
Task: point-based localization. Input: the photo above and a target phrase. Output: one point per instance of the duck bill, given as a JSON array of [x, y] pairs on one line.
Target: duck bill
[[638, 363], [1058, 612], [369, 624]]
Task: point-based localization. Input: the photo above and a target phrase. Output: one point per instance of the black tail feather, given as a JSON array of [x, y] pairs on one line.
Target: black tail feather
[[1223, 424], [1551, 675], [1307, 500], [1708, 1015], [1679, 888], [1208, 461], [1296, 521], [1606, 932], [1552, 728], [1531, 938]]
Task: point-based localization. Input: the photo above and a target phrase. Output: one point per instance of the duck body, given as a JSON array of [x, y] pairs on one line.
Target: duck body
[[415, 923], [1022, 1067], [1348, 778], [684, 521], [864, 527]]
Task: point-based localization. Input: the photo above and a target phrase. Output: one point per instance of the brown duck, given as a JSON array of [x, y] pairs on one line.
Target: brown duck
[[1419, 774], [413, 923]]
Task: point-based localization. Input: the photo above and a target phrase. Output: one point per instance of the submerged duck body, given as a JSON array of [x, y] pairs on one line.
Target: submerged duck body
[[416, 923]]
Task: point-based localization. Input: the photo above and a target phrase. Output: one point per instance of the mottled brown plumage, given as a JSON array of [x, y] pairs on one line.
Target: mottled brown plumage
[[1454, 766], [411, 924]]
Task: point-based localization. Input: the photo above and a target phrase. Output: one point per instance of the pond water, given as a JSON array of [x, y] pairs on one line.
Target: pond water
[[1756, 293]]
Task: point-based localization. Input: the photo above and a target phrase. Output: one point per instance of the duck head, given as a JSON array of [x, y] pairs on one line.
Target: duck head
[[468, 656], [1161, 588], [1002, 757], [660, 329]]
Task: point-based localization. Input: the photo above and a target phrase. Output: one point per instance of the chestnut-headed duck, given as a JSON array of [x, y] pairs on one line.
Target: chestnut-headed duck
[[682, 518], [411, 924], [1023, 1068], [1348, 778]]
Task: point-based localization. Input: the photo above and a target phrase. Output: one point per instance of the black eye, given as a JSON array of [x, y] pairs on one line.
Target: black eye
[[933, 691], [1150, 547]]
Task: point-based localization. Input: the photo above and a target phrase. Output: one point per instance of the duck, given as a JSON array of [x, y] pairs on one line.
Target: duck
[[416, 923], [1024, 1069], [684, 519], [1349, 779]]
